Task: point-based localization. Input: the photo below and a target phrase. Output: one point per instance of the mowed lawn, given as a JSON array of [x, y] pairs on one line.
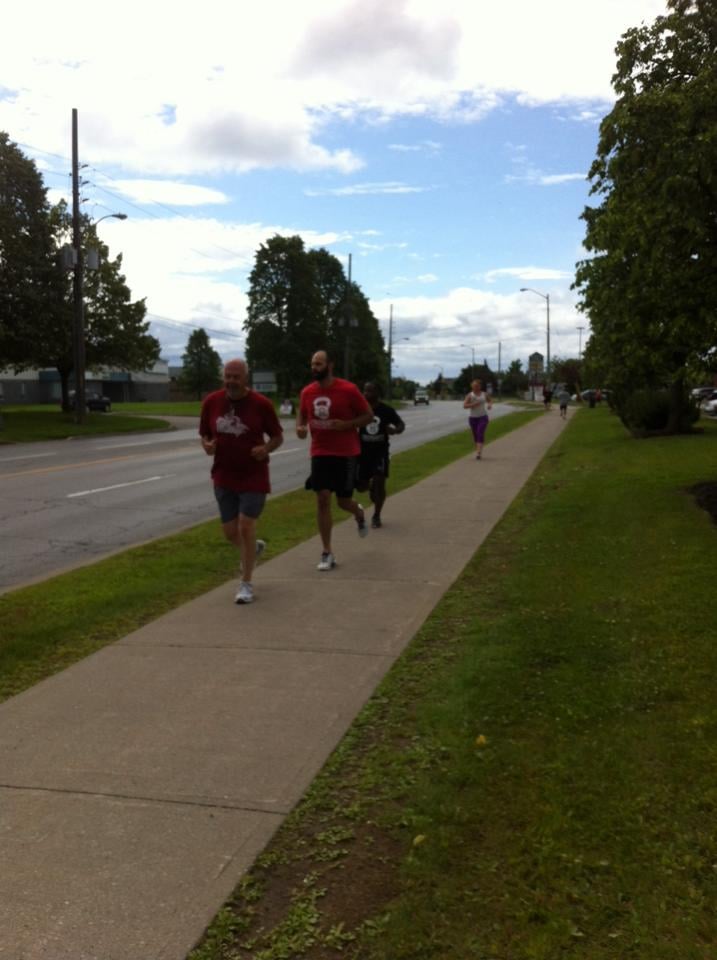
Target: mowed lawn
[[35, 423], [536, 778]]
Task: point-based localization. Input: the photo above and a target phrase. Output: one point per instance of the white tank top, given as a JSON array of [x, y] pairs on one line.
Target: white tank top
[[480, 410]]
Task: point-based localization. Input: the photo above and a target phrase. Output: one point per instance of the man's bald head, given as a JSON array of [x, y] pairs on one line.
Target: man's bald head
[[236, 378]]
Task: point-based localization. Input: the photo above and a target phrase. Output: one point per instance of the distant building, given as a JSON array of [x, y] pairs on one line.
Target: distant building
[[43, 386]]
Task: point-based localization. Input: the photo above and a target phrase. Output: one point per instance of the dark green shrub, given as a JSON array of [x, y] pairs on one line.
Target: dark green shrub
[[646, 412]]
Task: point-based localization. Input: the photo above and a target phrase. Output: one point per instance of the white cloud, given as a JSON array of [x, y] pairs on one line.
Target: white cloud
[[533, 176], [233, 91], [444, 331], [167, 191], [424, 146], [427, 278], [525, 273], [548, 180], [365, 189], [378, 247]]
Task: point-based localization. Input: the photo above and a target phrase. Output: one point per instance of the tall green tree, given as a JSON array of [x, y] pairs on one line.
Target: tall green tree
[[116, 332], [286, 321], [568, 370], [201, 365], [515, 379], [367, 357], [481, 371], [650, 284], [300, 301], [354, 335], [30, 284]]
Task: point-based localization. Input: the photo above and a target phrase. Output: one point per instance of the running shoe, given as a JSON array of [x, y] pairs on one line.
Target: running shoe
[[376, 522], [327, 562], [361, 523], [245, 594], [260, 548]]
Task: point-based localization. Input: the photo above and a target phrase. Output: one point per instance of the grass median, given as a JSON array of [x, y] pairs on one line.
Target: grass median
[[24, 425], [50, 625], [535, 777]]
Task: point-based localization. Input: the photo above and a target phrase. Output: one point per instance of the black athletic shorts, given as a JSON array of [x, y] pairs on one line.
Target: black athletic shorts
[[333, 473], [370, 467]]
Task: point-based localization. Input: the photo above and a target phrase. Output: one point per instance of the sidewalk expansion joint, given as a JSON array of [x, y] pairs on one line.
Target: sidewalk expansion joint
[[148, 645], [159, 801]]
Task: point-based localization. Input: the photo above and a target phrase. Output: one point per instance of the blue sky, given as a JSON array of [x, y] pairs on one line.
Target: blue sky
[[444, 145]]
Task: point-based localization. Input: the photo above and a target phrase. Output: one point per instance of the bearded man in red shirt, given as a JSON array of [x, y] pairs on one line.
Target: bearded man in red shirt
[[240, 428], [333, 410]]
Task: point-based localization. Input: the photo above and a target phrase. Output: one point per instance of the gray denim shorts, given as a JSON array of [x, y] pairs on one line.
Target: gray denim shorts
[[231, 504]]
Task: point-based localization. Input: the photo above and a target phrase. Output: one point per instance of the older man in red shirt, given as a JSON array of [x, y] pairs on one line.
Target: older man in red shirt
[[240, 428]]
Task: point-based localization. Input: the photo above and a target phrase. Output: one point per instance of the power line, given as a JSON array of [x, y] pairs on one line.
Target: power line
[[191, 325]]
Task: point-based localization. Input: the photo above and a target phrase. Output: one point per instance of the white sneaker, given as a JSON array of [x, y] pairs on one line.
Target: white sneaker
[[327, 562], [245, 594], [260, 548]]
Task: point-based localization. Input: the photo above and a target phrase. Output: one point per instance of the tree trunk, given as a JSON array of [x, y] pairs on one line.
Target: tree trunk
[[678, 407], [65, 388]]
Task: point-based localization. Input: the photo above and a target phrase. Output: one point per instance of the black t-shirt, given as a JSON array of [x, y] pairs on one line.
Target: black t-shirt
[[374, 435]]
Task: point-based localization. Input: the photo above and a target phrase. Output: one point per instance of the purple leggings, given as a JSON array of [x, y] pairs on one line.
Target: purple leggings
[[478, 426]]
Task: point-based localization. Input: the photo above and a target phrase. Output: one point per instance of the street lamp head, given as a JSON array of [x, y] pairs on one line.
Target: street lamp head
[[111, 216]]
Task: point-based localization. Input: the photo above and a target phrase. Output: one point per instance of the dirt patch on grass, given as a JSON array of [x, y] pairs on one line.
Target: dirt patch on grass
[[706, 496], [313, 903]]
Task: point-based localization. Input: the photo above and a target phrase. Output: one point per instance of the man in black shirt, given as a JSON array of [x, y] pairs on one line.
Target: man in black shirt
[[374, 460]]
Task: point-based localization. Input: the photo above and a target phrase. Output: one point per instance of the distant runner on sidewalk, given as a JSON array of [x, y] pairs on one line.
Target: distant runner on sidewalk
[[333, 410], [374, 460], [478, 402], [563, 400], [240, 428]]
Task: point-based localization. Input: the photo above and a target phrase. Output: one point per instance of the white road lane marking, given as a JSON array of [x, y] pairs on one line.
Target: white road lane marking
[[115, 446], [117, 486], [27, 456]]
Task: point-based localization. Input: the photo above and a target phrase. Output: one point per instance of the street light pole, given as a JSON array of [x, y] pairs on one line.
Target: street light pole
[[546, 297], [78, 331], [78, 325], [473, 358], [390, 350]]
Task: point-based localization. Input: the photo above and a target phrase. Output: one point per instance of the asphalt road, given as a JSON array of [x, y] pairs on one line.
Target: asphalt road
[[66, 503]]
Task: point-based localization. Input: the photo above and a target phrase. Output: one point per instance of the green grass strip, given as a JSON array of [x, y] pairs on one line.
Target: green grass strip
[[536, 777], [48, 626], [23, 425]]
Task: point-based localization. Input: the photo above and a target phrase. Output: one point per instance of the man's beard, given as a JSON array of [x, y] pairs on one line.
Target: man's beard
[[320, 374]]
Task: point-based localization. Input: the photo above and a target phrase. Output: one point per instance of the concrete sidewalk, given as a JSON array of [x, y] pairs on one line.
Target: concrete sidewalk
[[137, 786]]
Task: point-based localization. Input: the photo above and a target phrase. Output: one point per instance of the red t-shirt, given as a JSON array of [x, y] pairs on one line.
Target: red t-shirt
[[341, 401], [239, 425]]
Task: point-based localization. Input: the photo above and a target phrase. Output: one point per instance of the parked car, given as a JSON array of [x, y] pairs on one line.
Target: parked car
[[586, 394], [710, 406], [420, 396], [702, 393], [93, 401]]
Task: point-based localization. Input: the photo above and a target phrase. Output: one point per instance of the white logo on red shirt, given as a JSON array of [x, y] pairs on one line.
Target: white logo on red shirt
[[231, 423]]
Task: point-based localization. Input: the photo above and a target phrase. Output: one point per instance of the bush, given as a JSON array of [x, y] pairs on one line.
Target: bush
[[646, 412]]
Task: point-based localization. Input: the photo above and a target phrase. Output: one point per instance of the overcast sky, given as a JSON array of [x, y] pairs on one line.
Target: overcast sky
[[443, 143]]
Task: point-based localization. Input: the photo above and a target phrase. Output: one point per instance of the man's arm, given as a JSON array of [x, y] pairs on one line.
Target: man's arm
[[209, 443], [396, 425], [262, 451], [301, 424]]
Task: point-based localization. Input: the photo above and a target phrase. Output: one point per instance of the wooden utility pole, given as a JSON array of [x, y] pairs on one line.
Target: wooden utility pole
[[78, 338]]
